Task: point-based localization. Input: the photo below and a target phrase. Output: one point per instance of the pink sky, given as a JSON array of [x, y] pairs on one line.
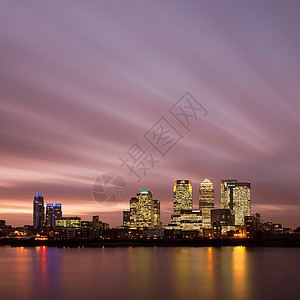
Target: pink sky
[[81, 82]]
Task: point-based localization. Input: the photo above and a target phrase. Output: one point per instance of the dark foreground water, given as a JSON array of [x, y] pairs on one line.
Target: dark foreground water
[[150, 273]]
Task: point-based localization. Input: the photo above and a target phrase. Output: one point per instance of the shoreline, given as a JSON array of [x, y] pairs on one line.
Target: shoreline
[[98, 243]]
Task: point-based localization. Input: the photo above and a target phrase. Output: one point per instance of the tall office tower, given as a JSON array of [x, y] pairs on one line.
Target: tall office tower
[[145, 212], [156, 214], [57, 212], [38, 211], [206, 202], [53, 211], [237, 197], [126, 218], [96, 224], [182, 196], [49, 215], [224, 192], [133, 211], [206, 194]]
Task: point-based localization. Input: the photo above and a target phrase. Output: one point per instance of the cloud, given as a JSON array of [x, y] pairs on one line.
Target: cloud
[[79, 85]]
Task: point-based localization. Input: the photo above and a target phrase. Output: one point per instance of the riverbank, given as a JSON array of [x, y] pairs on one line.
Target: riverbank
[[270, 242]]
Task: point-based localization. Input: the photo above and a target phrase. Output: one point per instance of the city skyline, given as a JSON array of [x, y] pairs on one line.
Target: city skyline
[[149, 149], [79, 87], [195, 203], [144, 211]]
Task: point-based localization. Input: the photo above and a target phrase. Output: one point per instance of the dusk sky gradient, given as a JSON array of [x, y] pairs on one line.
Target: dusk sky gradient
[[81, 81]]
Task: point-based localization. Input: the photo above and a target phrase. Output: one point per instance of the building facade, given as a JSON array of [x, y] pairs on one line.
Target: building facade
[[68, 222], [126, 218], [49, 215], [38, 211], [253, 226], [191, 220], [222, 220], [144, 212], [57, 211], [96, 224], [206, 202], [133, 211], [224, 192], [184, 217], [156, 214], [182, 196], [237, 197], [53, 211]]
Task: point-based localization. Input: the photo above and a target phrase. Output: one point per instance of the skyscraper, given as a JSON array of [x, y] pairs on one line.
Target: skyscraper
[[53, 211], [156, 214], [184, 217], [96, 224], [206, 201], [38, 211], [57, 211], [126, 218], [182, 196], [133, 211], [237, 197], [224, 196], [144, 211], [49, 215]]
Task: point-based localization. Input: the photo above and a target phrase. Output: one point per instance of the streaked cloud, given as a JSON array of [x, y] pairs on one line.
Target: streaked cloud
[[80, 82]]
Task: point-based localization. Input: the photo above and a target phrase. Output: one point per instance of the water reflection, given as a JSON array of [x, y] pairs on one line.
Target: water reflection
[[148, 273], [239, 271]]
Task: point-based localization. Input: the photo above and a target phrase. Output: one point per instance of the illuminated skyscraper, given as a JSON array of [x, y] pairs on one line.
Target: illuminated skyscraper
[[49, 215], [156, 214], [53, 211], [206, 202], [182, 196], [133, 214], [144, 211], [237, 197], [38, 211], [126, 218], [184, 217], [224, 192], [57, 211], [96, 224]]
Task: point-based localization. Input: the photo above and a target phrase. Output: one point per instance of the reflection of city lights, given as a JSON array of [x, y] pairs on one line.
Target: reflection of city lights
[[239, 271], [240, 248], [42, 238]]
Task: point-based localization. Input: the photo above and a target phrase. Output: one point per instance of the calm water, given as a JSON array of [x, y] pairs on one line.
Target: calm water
[[150, 273]]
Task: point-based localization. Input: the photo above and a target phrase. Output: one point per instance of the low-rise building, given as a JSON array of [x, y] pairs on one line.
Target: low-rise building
[[68, 222]]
